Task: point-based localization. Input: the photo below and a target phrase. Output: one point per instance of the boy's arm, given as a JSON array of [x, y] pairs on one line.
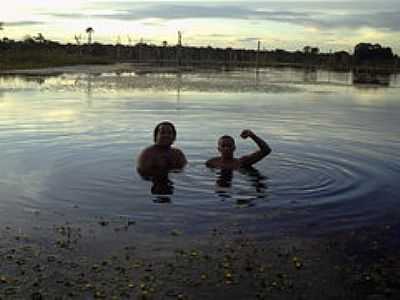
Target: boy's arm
[[249, 160], [144, 163], [151, 163], [211, 162], [180, 159]]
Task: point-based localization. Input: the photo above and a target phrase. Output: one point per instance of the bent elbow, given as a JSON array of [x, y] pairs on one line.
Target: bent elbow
[[266, 150], [269, 151]]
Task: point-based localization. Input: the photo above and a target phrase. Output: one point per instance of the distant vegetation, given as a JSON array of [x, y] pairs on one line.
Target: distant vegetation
[[37, 51]]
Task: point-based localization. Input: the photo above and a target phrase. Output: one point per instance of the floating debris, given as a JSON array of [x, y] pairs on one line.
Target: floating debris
[[104, 222], [176, 232]]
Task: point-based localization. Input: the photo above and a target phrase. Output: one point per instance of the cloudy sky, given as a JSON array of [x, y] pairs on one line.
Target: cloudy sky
[[285, 24]]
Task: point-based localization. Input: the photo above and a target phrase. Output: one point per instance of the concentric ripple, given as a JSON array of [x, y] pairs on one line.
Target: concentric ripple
[[320, 177]]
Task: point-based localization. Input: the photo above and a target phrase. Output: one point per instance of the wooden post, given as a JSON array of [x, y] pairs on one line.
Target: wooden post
[[257, 54], [179, 49]]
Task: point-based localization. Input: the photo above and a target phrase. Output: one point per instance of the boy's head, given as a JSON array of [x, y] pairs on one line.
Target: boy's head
[[226, 145], [164, 134]]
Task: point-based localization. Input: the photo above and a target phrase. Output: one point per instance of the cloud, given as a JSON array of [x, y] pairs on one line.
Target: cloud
[[153, 23], [68, 15], [22, 23], [318, 14], [172, 11], [219, 35], [387, 20], [381, 20], [249, 40]]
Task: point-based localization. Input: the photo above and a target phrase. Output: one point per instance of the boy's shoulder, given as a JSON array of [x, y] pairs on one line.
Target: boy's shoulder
[[176, 150], [213, 162]]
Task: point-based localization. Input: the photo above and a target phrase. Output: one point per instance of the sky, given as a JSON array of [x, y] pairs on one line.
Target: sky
[[285, 24]]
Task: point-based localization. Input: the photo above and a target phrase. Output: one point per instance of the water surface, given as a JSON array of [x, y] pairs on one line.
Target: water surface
[[69, 145]]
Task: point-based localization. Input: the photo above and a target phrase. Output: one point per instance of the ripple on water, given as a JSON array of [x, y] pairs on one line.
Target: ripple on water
[[323, 176]]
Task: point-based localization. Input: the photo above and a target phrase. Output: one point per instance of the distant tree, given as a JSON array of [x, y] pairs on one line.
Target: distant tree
[[78, 39], [314, 50], [39, 38], [372, 53], [27, 39], [98, 49], [164, 43], [1, 25], [89, 32], [179, 38], [340, 58], [307, 50]]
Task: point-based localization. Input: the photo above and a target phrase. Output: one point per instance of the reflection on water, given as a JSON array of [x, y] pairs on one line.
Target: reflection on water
[[310, 75], [260, 80], [224, 179], [162, 187], [70, 141], [371, 77], [254, 181], [88, 88], [257, 180]]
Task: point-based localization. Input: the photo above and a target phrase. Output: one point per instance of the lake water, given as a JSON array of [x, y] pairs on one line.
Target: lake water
[[69, 145]]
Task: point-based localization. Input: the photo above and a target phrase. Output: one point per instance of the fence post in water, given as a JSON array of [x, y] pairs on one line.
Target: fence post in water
[[258, 54], [179, 48]]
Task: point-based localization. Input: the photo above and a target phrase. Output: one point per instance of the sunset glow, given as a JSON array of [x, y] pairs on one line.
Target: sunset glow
[[333, 25]]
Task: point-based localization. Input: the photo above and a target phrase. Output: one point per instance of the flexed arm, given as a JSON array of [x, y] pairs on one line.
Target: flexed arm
[[249, 160]]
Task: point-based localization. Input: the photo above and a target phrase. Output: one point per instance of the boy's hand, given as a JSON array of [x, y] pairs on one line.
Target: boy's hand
[[246, 133]]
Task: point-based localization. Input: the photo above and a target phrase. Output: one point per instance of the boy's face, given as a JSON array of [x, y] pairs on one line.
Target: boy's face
[[226, 146], [165, 135]]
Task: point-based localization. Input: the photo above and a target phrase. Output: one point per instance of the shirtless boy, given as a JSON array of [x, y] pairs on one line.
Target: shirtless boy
[[226, 147], [161, 157]]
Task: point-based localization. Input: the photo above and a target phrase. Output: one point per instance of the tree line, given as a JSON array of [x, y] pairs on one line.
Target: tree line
[[36, 50]]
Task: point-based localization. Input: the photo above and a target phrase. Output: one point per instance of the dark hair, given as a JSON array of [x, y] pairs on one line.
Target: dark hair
[[158, 127], [227, 137]]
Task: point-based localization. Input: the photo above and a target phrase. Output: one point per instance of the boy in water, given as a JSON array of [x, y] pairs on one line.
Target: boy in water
[[161, 158], [226, 147]]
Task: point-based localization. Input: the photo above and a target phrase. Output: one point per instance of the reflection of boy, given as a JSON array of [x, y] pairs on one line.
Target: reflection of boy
[[160, 158], [226, 147]]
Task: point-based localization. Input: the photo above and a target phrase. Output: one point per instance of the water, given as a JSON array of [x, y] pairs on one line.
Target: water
[[69, 145]]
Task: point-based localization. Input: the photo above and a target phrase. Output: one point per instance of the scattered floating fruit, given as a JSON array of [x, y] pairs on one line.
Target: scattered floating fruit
[[298, 265]]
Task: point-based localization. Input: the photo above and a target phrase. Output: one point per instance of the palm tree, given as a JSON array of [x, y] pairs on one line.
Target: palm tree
[[39, 38], [89, 31], [78, 39]]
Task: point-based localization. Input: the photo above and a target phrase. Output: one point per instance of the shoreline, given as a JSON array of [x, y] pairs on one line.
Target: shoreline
[[149, 67], [227, 262]]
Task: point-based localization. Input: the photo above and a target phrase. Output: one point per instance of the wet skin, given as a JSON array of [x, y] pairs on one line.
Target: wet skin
[[226, 148]]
